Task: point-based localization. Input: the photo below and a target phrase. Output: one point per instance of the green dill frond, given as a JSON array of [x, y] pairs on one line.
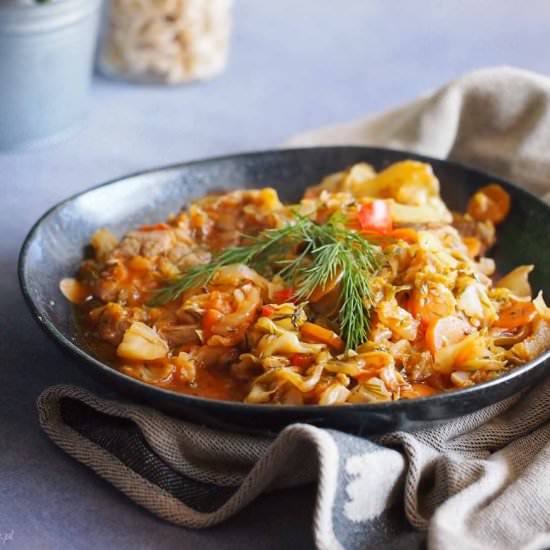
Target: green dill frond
[[318, 255]]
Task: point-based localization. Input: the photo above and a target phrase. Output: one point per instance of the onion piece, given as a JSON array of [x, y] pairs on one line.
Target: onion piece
[[142, 343], [103, 243], [236, 273], [73, 290], [535, 344], [540, 305], [150, 374], [303, 383], [334, 394], [461, 379], [518, 281], [398, 320], [471, 353], [286, 344], [372, 390]]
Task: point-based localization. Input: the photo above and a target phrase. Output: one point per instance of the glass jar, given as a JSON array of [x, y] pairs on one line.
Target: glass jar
[[165, 41]]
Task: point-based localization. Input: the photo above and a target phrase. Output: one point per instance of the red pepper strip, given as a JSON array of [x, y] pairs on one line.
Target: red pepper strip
[[285, 295], [301, 360], [155, 227], [267, 311], [375, 216], [210, 318]]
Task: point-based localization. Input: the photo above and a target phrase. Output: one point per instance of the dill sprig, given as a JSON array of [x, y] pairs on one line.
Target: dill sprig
[[335, 251], [318, 255], [268, 246]]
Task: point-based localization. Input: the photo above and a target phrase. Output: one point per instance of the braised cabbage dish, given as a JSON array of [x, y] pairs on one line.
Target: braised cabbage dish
[[367, 290]]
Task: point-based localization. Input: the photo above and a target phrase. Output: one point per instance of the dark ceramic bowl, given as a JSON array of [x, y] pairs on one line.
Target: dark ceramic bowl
[[54, 248]]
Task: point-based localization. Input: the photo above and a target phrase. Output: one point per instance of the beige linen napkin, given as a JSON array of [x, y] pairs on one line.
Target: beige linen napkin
[[494, 119], [478, 482]]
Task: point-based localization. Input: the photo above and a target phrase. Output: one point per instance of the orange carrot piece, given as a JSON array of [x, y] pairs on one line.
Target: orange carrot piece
[[490, 203], [428, 308], [369, 372], [407, 234], [317, 333], [516, 315], [119, 272], [473, 244], [321, 292], [418, 390], [139, 263], [210, 318]]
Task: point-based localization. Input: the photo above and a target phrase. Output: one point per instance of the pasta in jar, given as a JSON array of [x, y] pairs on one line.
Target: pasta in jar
[[166, 41]]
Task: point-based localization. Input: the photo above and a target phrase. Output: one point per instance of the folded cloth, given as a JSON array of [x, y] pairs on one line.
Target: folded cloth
[[494, 119], [477, 482]]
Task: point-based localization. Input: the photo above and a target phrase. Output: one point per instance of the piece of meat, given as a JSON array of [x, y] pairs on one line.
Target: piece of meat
[[179, 335], [468, 227], [112, 320], [106, 290], [184, 256], [230, 216], [112, 323], [144, 243]]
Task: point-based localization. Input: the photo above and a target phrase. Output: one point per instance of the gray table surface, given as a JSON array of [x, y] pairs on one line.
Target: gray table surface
[[294, 65]]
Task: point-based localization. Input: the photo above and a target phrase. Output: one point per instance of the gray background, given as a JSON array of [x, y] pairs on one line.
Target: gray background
[[295, 65]]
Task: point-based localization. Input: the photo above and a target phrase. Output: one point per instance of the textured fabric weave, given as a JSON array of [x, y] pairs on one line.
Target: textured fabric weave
[[478, 482]]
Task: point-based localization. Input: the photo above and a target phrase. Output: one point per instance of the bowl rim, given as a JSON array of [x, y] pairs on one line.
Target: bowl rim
[[389, 406]]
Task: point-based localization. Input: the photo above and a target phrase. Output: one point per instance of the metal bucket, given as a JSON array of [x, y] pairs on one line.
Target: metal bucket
[[46, 60]]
